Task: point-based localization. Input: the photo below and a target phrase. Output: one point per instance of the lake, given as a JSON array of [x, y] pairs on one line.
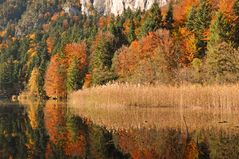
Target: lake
[[51, 129]]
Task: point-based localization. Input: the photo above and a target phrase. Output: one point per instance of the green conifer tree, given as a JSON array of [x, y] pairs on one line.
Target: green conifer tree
[[219, 30], [101, 62], [198, 22], [131, 35], [73, 73], [203, 16], [190, 23], [169, 20], [153, 20]]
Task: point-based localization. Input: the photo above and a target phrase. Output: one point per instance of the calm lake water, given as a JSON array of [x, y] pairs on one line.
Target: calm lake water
[[56, 130]]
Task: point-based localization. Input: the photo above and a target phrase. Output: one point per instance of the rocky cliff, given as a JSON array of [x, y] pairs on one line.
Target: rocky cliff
[[117, 6]]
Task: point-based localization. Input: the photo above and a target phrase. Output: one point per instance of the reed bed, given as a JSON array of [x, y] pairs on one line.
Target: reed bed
[[193, 96]]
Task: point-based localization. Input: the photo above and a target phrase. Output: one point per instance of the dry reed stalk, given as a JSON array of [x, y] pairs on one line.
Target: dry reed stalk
[[194, 96]]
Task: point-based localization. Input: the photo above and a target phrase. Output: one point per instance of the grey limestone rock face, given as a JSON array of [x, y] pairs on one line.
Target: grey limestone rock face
[[117, 6]]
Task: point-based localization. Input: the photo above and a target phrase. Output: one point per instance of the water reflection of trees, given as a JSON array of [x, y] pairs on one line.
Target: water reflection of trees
[[12, 136], [169, 143], [50, 130], [73, 137], [66, 138], [18, 137], [212, 133], [161, 144]]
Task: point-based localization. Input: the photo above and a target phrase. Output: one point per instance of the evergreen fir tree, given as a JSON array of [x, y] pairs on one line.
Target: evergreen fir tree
[[198, 22], [116, 29], [112, 28], [156, 15], [169, 20], [219, 30], [131, 36], [73, 76], [190, 23], [101, 63], [203, 16], [153, 20], [44, 59], [138, 15], [7, 79]]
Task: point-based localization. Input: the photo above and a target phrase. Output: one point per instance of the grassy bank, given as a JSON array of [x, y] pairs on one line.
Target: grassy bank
[[195, 96]]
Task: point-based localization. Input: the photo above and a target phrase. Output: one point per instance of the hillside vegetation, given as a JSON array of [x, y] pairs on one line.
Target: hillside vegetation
[[50, 51]]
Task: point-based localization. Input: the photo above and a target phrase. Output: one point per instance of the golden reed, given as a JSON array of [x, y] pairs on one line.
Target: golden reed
[[195, 96]]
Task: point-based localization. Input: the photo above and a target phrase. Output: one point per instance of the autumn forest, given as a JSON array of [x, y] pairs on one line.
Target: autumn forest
[[49, 52]]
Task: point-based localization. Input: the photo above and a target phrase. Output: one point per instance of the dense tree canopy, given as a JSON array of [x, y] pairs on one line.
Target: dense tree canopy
[[49, 52]]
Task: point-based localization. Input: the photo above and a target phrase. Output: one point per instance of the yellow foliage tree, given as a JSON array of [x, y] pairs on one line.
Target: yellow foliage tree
[[188, 44], [32, 83]]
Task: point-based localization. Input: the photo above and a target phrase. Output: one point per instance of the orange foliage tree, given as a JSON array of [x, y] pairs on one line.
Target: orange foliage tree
[[150, 57], [78, 51], [226, 7], [55, 78], [50, 45], [57, 71], [104, 22], [188, 45], [182, 9]]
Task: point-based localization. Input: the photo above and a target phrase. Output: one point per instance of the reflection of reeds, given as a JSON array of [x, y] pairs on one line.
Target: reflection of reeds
[[158, 107], [157, 118], [160, 96]]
